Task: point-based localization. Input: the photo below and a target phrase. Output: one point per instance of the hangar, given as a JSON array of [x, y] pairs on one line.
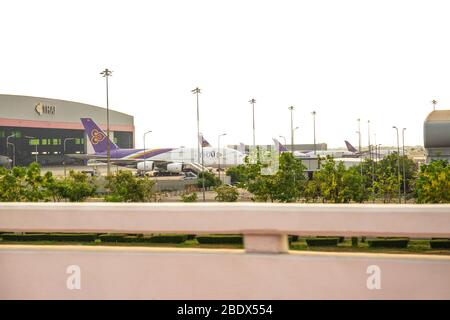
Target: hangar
[[44, 129]]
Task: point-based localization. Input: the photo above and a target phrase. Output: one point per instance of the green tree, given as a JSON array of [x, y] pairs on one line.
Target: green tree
[[312, 190], [226, 193], [354, 186], [189, 197], [330, 180], [289, 180], [210, 180], [433, 183], [11, 184], [124, 187], [76, 187], [286, 184]]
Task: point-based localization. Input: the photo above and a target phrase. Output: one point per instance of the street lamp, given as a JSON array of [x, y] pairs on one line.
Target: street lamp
[[252, 102], [35, 151], [197, 91], [145, 163], [220, 154], [291, 108], [106, 74], [368, 138], [434, 102], [203, 172], [359, 132], [398, 165], [314, 128], [14, 147], [64, 155], [403, 161]]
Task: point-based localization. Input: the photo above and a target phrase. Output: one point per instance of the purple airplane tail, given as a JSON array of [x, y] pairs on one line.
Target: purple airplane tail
[[205, 143], [96, 136], [281, 148], [350, 147]]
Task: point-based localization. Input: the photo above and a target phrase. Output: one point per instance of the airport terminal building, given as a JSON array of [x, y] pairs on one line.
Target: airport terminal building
[[43, 129]]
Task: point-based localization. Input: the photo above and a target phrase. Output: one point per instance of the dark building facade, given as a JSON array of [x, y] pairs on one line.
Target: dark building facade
[[43, 129]]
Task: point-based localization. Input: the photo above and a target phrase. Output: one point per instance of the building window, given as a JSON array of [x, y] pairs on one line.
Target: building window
[[17, 134], [33, 142]]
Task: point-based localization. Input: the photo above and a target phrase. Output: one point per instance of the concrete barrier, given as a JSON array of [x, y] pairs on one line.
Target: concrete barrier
[[264, 270]]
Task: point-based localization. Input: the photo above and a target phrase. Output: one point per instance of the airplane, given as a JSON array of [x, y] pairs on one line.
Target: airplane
[[311, 154], [282, 148], [172, 160], [381, 152]]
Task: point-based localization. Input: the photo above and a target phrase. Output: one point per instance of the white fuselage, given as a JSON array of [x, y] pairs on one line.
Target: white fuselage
[[212, 157]]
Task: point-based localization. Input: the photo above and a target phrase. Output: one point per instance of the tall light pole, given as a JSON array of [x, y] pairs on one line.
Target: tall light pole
[[398, 166], [64, 151], [314, 128], [13, 146], [434, 102], [197, 91], [35, 148], [359, 133], [220, 153], [145, 163], [252, 102], [106, 74], [368, 138], [203, 173], [403, 160], [291, 108]]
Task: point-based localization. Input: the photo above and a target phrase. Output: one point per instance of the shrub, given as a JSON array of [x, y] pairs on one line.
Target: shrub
[[166, 238], [220, 239], [22, 237], [226, 193], [75, 188], [322, 242], [112, 237], [81, 237], [131, 239], [354, 241], [388, 243], [210, 180], [124, 187], [440, 244], [341, 239], [189, 197]]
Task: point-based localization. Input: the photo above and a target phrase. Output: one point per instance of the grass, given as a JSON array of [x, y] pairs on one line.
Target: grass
[[414, 247]]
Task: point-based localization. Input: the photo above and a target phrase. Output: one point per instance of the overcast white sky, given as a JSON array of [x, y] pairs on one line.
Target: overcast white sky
[[378, 60]]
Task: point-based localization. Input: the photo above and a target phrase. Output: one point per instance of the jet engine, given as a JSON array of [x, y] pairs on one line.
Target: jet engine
[[175, 167], [145, 166]]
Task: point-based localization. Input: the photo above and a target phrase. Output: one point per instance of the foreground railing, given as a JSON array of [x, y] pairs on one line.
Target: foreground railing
[[256, 273]]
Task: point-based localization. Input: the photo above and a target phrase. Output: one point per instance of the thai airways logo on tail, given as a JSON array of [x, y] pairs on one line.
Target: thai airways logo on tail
[[96, 136], [350, 147]]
